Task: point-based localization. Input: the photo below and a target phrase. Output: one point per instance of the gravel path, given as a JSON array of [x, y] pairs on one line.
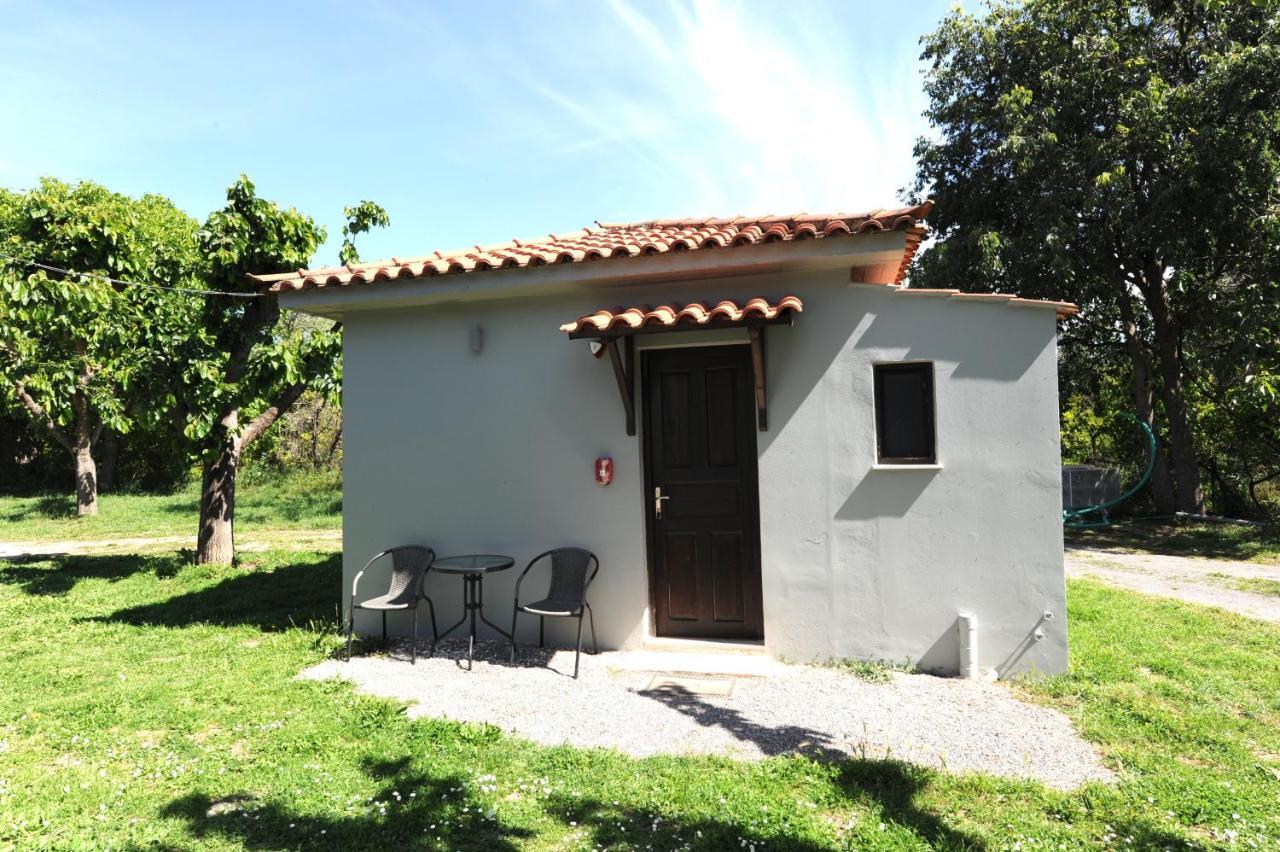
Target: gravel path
[[253, 540], [957, 725], [1182, 577]]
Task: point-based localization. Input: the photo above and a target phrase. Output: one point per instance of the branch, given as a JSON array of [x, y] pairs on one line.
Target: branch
[[41, 416], [262, 312], [263, 421]]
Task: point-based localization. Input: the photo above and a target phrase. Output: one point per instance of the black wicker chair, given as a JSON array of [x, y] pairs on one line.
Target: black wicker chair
[[409, 566], [572, 570]]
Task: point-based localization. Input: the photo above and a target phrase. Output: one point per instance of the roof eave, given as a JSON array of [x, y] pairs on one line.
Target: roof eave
[[794, 255]]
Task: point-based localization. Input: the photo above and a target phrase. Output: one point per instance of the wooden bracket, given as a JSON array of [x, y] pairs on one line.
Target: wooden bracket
[[624, 373], [756, 333]]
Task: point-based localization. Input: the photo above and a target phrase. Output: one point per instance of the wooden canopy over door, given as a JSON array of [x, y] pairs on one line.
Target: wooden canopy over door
[[701, 481], [606, 328], [702, 407]]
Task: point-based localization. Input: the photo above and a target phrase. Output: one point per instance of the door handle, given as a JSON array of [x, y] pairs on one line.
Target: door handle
[[658, 497]]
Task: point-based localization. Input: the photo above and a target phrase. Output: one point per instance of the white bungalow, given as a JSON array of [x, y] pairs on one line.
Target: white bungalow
[[805, 456]]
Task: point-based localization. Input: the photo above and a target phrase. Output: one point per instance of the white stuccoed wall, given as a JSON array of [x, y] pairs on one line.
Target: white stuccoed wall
[[493, 453]]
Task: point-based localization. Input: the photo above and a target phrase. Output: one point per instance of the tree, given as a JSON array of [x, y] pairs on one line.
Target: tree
[[1124, 156], [75, 349], [243, 371], [360, 219]]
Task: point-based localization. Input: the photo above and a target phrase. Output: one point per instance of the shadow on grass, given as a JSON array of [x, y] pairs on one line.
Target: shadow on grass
[[292, 508], [266, 505], [60, 578], [613, 826], [1212, 541], [889, 785], [889, 789], [48, 506], [274, 599], [440, 811]]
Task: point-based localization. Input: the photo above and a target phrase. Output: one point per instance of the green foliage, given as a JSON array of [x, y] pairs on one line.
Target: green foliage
[[82, 348], [1125, 157], [306, 438], [360, 219], [204, 370], [236, 359]]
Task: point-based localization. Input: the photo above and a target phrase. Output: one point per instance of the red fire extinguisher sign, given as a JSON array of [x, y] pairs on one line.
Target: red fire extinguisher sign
[[604, 471]]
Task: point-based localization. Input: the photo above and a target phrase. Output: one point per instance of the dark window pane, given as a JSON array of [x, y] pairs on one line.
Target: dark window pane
[[904, 412]]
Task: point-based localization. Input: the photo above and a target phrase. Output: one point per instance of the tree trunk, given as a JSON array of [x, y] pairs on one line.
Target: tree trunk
[[86, 480], [215, 544], [82, 451], [1189, 497], [1140, 387]]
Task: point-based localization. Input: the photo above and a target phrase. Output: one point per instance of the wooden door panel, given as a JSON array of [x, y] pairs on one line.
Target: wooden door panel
[[728, 576], [700, 449], [701, 500], [722, 442], [677, 437], [681, 572]]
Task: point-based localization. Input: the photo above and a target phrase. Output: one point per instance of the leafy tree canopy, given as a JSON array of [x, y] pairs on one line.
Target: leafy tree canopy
[[1124, 156], [77, 351]]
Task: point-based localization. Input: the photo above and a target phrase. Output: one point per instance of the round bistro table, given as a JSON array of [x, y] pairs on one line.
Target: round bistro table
[[473, 567]]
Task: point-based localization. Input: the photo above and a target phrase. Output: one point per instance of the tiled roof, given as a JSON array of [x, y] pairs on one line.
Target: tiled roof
[[693, 314], [610, 241]]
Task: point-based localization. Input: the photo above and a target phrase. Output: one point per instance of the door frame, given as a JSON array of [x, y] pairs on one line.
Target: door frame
[[650, 529]]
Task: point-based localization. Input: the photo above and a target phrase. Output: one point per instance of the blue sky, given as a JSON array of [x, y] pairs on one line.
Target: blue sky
[[470, 122]]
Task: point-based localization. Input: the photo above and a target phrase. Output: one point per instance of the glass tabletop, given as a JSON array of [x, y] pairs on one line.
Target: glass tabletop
[[478, 563]]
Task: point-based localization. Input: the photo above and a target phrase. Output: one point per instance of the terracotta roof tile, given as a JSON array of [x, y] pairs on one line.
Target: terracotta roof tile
[[692, 314], [609, 241]]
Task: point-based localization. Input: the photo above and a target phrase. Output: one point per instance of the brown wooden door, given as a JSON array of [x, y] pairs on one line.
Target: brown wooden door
[[700, 450]]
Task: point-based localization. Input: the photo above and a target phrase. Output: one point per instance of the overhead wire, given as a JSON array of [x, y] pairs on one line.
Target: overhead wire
[[71, 272]]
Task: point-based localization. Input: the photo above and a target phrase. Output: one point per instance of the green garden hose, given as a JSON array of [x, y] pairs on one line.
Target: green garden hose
[[1079, 519]]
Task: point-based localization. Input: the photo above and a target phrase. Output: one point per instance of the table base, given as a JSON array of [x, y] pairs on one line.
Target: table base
[[473, 608]]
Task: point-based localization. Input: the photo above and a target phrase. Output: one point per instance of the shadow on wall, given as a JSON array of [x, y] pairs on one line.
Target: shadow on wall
[[943, 656], [1020, 650], [885, 494], [896, 328], [938, 335]]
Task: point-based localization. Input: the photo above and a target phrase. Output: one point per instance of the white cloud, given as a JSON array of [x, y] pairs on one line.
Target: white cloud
[[746, 114]]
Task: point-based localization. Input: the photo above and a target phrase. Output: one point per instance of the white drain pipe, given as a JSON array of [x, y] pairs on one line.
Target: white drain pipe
[[967, 629]]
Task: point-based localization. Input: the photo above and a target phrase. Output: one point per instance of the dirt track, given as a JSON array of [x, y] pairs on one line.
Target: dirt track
[[1185, 578]]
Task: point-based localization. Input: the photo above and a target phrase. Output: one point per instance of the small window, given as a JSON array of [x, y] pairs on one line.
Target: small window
[[904, 414]]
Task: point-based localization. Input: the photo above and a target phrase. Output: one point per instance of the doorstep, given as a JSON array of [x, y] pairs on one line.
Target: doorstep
[[703, 646], [661, 655]]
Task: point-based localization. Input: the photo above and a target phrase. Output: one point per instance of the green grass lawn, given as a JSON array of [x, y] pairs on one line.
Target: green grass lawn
[[290, 502], [146, 703], [1212, 541], [1256, 585]]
